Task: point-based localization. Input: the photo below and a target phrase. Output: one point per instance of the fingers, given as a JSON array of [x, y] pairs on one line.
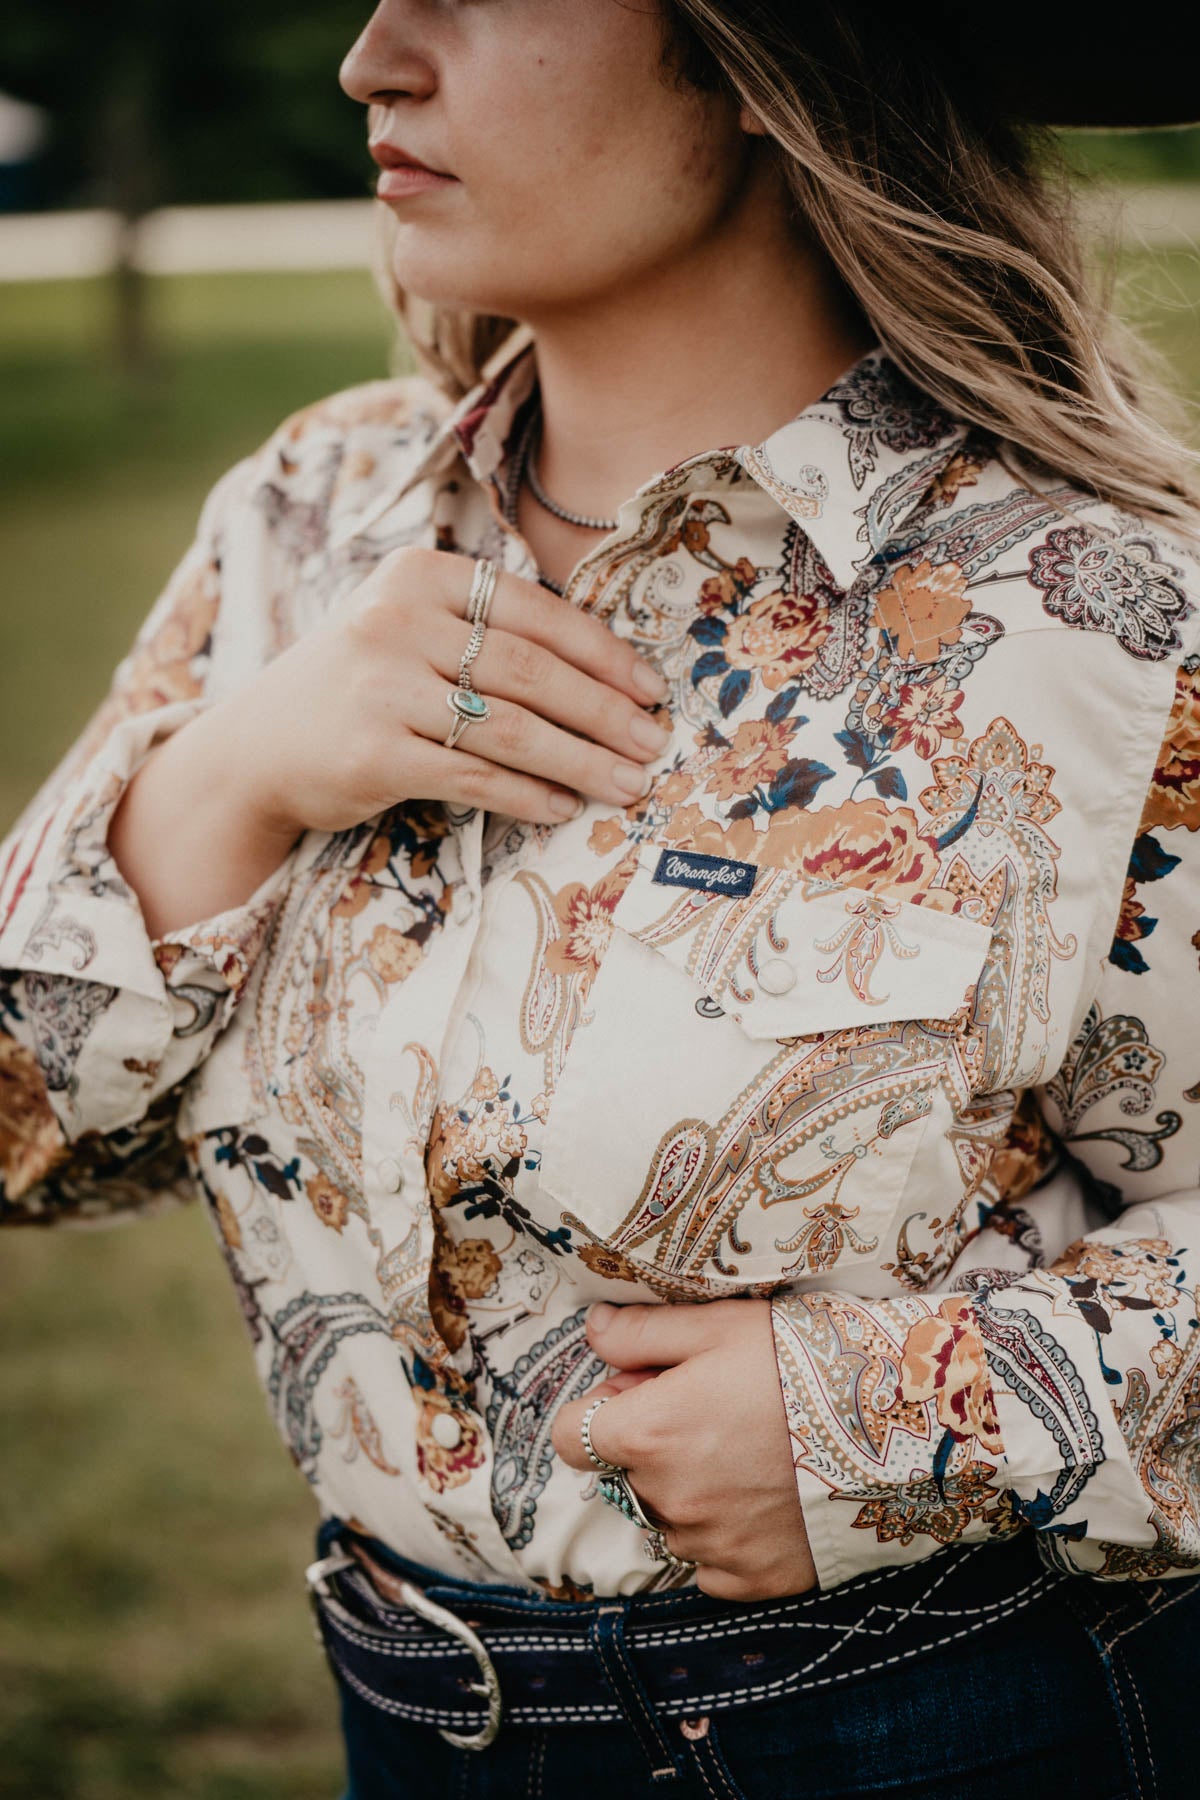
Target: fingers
[[467, 780], [512, 667], [518, 739], [639, 1337], [566, 1435], [525, 608]]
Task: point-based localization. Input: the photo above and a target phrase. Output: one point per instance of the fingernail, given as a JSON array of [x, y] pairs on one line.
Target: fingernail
[[652, 684], [566, 806], [600, 1315], [631, 780], [648, 732]]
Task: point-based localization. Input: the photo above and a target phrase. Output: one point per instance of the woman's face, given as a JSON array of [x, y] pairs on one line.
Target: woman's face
[[579, 167]]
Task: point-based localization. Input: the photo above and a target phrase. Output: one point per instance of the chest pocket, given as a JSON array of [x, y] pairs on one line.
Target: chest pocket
[[745, 1093]]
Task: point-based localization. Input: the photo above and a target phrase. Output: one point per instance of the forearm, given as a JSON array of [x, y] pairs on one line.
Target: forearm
[[188, 834]]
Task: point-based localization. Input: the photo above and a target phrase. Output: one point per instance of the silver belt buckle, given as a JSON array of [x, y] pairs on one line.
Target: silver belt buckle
[[317, 1576]]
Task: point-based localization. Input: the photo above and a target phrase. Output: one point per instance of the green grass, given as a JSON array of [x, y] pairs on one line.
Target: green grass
[[101, 490], [154, 1639]]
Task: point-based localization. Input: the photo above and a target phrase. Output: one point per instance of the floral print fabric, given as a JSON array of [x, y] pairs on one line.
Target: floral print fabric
[[876, 1005]]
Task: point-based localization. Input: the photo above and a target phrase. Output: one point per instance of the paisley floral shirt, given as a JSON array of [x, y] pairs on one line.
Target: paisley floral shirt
[[880, 1003]]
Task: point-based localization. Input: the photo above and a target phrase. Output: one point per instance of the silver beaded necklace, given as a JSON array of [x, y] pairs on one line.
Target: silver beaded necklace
[[522, 467]]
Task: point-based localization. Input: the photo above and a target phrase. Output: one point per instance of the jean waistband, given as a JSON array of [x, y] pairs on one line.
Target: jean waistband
[[463, 1656]]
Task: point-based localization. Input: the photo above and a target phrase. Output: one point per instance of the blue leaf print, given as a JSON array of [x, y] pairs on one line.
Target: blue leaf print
[[733, 689], [711, 663], [890, 783]]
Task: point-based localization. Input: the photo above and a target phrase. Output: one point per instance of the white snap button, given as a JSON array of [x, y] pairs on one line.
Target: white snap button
[[391, 1175], [776, 976], [446, 1431]]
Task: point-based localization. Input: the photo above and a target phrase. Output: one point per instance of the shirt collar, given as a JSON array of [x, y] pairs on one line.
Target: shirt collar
[[849, 467]]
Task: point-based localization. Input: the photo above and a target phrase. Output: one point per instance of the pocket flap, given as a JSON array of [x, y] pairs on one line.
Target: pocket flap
[[797, 955]]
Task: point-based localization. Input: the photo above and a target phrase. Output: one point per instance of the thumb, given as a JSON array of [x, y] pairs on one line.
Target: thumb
[[649, 1337]]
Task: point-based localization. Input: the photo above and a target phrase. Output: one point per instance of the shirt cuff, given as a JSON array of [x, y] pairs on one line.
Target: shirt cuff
[[113, 1015], [897, 1439]]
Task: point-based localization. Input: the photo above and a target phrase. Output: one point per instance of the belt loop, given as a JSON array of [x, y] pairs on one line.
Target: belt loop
[[608, 1640]]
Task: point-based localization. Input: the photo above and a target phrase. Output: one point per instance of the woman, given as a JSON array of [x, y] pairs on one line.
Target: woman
[[678, 787]]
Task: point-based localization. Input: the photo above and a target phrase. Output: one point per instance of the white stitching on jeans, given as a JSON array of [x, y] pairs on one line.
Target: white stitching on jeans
[[536, 1766], [616, 1645], [1145, 1731], [1116, 1690], [700, 1761], [1155, 1612]]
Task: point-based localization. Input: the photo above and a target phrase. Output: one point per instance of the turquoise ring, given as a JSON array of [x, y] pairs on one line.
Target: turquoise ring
[[615, 1490], [466, 704]]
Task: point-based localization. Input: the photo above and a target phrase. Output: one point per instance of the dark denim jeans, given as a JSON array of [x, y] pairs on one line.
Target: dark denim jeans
[[1092, 1690]]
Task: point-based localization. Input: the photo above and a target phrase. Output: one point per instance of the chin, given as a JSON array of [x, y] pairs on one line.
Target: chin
[[433, 267]]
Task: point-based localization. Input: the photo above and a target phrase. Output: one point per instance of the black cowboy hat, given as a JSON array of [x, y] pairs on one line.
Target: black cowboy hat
[[1073, 65]]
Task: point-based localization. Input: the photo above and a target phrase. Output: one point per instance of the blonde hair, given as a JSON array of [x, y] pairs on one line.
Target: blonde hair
[[956, 228]]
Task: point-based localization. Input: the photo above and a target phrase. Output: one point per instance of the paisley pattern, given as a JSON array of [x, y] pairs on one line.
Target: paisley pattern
[[877, 1004]]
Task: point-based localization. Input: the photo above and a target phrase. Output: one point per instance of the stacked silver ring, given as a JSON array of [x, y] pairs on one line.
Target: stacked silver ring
[[464, 701], [615, 1489]]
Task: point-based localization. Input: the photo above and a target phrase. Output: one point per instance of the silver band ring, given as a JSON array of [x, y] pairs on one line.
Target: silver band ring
[[483, 586], [585, 1432]]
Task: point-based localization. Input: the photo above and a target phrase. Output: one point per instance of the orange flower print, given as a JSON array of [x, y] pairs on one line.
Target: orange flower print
[[938, 1508], [690, 830], [1174, 797], [485, 1085], [469, 1266], [606, 836], [923, 607], [780, 635], [963, 470], [31, 1139], [923, 715], [862, 843], [327, 1201], [448, 1441], [609, 1263], [391, 953], [759, 747], [585, 925], [943, 1360], [1137, 1270]]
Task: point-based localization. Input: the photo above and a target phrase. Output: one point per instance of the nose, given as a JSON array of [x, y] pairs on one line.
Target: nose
[[384, 60]]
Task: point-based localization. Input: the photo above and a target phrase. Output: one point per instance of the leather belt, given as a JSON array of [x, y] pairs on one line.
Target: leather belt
[[463, 1656]]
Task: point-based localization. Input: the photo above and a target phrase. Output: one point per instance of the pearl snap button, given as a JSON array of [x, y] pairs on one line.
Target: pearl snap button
[[391, 1175], [776, 976], [462, 905], [446, 1431]]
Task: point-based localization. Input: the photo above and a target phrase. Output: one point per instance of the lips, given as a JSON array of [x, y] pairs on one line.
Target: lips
[[391, 156]]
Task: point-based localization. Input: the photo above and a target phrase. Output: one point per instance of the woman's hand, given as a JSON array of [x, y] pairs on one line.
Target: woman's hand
[[697, 1419], [352, 718]]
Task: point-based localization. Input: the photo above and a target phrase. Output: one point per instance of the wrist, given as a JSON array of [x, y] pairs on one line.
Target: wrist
[[234, 766]]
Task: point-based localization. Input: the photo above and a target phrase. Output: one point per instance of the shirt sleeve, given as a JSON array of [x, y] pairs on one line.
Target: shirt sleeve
[[100, 1023], [1062, 1397]]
